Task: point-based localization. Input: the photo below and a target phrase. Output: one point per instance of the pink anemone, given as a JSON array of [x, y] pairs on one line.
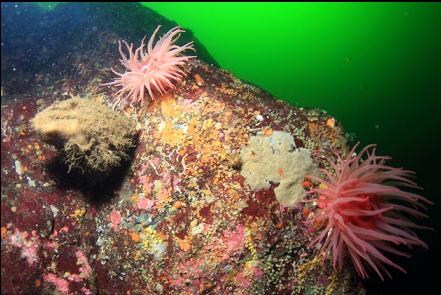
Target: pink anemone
[[363, 208], [152, 70]]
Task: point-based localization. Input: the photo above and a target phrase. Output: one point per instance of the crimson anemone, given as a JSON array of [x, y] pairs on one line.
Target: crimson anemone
[[152, 70], [365, 211]]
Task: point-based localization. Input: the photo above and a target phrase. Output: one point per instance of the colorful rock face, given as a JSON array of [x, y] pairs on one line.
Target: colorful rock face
[[181, 218]]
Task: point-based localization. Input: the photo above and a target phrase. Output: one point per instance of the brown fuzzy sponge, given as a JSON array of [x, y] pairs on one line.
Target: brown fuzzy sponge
[[92, 137]]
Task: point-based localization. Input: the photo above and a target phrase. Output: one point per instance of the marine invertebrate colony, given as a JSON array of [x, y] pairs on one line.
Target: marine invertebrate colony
[[92, 137], [269, 159], [152, 70], [361, 215]]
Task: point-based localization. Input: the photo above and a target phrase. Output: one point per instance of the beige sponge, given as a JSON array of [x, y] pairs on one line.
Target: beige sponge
[[92, 137], [273, 159]]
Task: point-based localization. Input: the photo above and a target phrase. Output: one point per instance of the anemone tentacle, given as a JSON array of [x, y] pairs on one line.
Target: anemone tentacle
[[361, 219], [152, 69]]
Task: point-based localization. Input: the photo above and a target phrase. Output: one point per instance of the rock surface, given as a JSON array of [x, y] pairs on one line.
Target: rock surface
[[180, 219]]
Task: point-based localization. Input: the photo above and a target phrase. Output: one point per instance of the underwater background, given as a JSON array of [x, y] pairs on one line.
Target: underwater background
[[374, 66]]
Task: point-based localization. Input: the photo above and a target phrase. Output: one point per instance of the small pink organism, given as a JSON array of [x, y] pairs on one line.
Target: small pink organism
[[152, 70], [360, 214]]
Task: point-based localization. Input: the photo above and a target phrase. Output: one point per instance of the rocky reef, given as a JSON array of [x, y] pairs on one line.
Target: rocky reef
[[182, 217]]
